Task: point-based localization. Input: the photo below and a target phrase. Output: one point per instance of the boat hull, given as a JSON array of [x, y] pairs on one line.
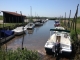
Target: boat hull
[[38, 24], [48, 51], [56, 25], [6, 39], [65, 53], [20, 33], [29, 28]]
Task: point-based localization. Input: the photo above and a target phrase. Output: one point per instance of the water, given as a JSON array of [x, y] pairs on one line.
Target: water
[[34, 40]]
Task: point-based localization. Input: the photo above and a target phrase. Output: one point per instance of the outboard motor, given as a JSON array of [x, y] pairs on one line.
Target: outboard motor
[[57, 49]]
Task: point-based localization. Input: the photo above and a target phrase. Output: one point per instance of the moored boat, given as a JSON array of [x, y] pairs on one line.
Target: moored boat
[[30, 25], [19, 30], [57, 23], [60, 28], [6, 35], [59, 43], [38, 24]]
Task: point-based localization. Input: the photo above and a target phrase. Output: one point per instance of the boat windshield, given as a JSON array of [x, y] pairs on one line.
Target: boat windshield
[[58, 38], [30, 24]]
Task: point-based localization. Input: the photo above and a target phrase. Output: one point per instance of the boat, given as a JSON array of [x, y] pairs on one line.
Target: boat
[[6, 35], [59, 43], [25, 26], [44, 20], [38, 24], [57, 23], [19, 30], [60, 28], [30, 25], [47, 19]]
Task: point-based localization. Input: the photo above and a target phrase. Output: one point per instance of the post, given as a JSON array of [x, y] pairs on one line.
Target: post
[[73, 22], [69, 20], [0, 35], [37, 17], [23, 30], [76, 21], [65, 20], [4, 31]]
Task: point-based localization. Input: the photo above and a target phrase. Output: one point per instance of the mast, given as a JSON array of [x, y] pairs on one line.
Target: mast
[[31, 13]]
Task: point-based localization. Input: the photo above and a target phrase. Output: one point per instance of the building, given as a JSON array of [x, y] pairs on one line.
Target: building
[[12, 17]]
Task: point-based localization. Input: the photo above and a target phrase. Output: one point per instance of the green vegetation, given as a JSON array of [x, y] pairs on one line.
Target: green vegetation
[[78, 25], [12, 25], [1, 17], [30, 20], [75, 40], [19, 55], [73, 35]]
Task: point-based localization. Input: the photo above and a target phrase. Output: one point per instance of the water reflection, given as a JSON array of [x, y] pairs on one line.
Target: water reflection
[[34, 39], [30, 31]]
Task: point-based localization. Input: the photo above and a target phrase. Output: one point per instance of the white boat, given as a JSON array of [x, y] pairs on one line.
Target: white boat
[[47, 19], [44, 21], [19, 30], [60, 28], [25, 26], [38, 24], [63, 38], [30, 25]]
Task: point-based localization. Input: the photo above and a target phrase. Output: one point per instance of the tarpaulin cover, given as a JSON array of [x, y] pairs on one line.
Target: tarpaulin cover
[[6, 33]]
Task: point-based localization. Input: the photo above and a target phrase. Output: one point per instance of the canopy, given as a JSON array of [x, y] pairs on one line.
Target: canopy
[[60, 30]]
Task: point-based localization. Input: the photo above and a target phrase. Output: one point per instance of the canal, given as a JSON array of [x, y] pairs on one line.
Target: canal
[[34, 40]]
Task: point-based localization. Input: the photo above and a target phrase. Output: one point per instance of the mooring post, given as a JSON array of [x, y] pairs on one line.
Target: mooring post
[[76, 20], [23, 30], [65, 20], [69, 20]]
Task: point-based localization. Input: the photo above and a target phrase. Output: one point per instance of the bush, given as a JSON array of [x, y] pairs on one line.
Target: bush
[[1, 17], [73, 35], [30, 20], [19, 55]]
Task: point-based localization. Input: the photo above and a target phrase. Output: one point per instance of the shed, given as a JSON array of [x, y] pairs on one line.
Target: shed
[[12, 17]]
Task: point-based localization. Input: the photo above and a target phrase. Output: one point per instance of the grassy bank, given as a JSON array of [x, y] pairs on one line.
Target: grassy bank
[[19, 54], [1, 17], [11, 25]]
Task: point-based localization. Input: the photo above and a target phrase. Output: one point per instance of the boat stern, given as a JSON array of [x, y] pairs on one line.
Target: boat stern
[[66, 52], [48, 47]]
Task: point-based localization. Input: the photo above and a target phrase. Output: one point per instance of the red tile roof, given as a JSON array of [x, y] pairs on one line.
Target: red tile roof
[[13, 13]]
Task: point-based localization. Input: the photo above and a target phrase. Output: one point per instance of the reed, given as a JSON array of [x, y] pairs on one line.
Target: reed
[[19, 54]]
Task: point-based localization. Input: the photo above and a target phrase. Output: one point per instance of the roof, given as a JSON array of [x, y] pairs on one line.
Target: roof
[[13, 13]]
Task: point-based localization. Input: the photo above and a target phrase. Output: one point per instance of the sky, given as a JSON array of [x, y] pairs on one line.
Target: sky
[[43, 8]]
